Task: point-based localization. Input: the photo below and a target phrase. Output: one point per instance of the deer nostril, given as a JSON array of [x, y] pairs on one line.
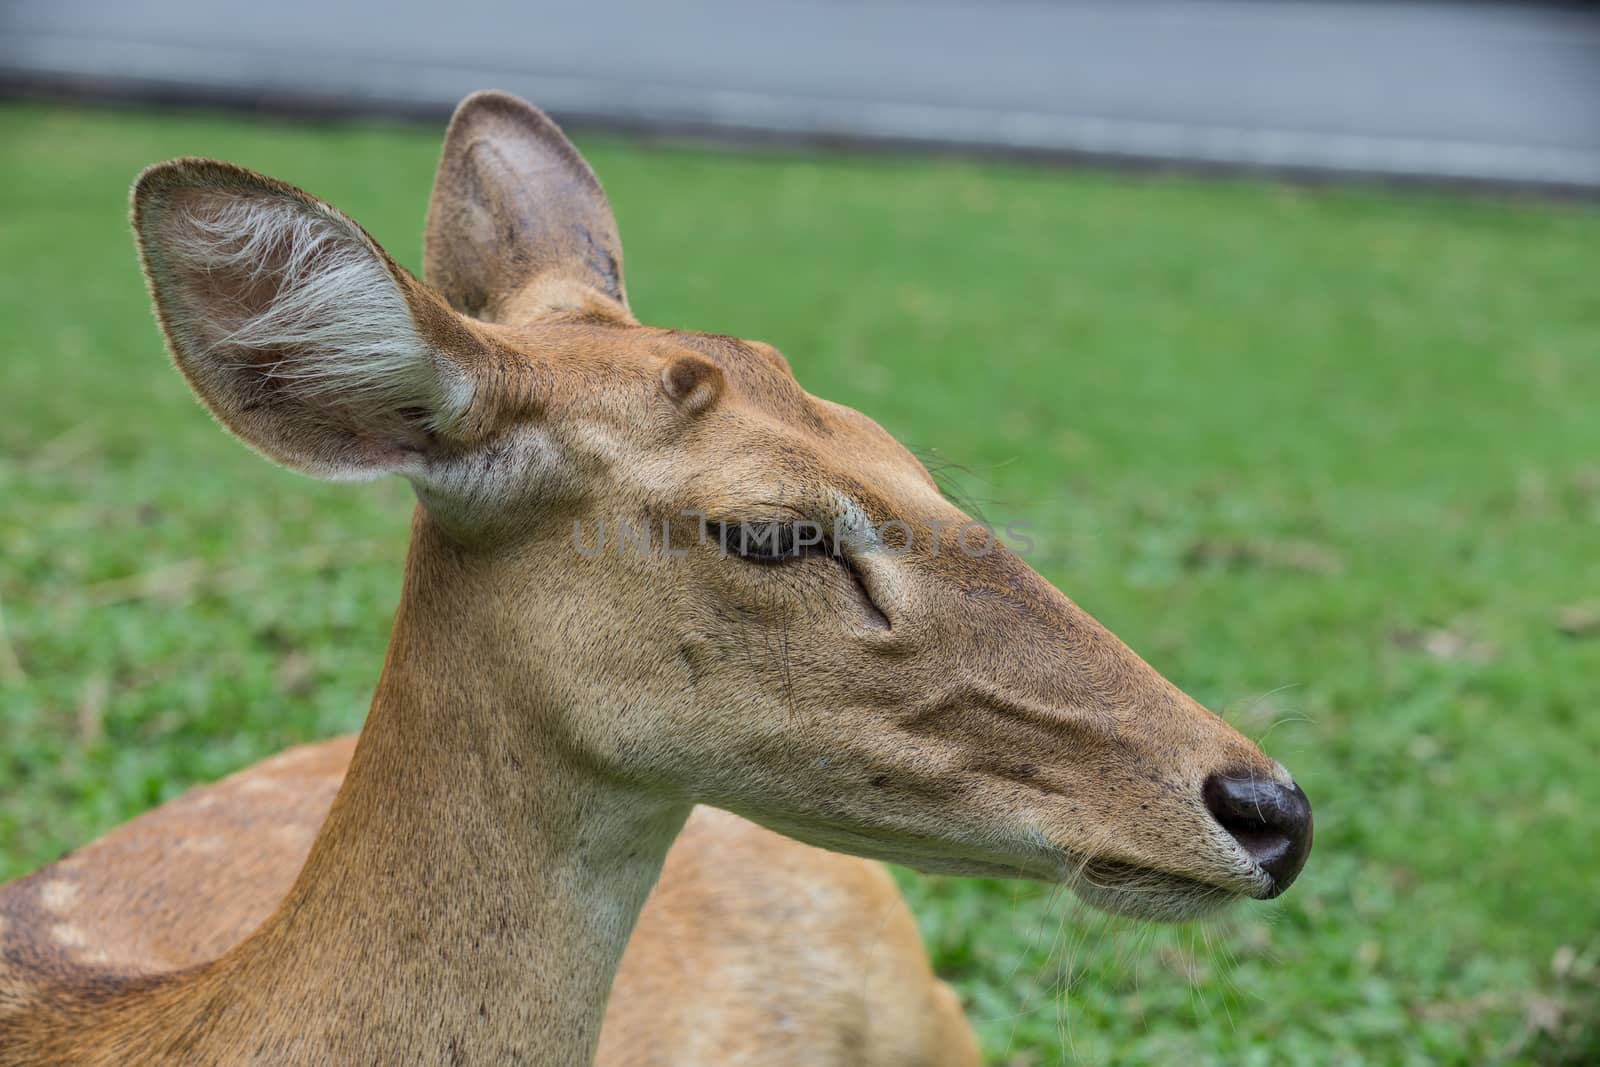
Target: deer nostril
[[1270, 820]]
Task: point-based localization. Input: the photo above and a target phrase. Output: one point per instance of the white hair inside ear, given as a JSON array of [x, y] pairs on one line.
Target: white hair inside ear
[[295, 329], [337, 316]]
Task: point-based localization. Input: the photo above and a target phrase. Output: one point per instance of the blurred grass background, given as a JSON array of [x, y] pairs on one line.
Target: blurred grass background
[[1330, 459]]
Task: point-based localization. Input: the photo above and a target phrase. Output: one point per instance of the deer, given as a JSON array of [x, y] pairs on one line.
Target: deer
[[594, 788]]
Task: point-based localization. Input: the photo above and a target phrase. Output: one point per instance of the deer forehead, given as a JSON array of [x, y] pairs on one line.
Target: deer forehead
[[637, 396], [607, 367]]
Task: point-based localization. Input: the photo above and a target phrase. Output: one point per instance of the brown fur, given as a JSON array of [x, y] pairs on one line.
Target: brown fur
[[798, 957], [546, 718]]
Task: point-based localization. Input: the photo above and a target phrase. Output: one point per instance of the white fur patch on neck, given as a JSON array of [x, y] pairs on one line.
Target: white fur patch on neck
[[310, 286]]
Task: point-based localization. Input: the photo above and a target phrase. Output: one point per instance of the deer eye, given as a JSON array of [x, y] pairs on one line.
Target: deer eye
[[774, 543], [771, 542]]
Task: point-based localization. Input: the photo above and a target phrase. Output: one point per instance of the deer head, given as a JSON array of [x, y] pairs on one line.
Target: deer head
[[695, 576]]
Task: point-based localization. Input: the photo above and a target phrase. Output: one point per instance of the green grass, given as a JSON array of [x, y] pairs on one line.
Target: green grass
[[1330, 459]]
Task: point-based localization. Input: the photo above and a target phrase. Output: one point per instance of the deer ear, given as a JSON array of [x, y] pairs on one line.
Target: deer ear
[[518, 224], [298, 332]]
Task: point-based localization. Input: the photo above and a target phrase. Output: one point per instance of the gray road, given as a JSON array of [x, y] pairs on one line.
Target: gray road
[[1462, 91]]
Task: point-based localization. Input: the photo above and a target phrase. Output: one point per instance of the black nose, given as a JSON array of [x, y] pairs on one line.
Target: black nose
[[1272, 821]]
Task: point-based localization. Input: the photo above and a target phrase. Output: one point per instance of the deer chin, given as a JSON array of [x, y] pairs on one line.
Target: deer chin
[[1155, 896], [1109, 885]]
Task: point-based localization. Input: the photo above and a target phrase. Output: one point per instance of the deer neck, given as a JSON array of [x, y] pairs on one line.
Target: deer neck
[[471, 892]]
